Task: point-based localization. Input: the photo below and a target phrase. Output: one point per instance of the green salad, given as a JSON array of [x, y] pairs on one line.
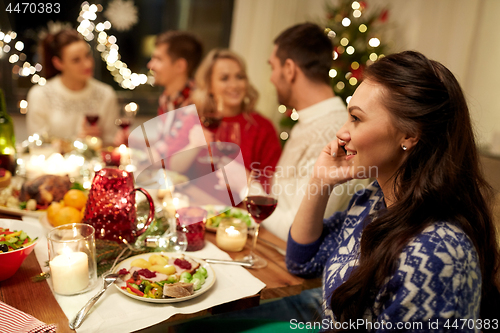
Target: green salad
[[226, 212]]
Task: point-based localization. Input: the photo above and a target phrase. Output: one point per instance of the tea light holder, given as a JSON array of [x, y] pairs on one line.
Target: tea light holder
[[72, 258], [231, 235]]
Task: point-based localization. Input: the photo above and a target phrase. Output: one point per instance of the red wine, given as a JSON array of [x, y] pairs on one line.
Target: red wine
[[260, 207], [124, 124], [227, 149], [92, 119], [211, 123]]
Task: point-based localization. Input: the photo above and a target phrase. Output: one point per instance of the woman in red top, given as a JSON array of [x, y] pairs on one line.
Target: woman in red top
[[222, 87]]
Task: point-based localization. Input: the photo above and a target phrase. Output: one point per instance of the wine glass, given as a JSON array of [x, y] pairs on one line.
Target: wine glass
[[227, 145], [260, 203], [211, 121], [92, 118]]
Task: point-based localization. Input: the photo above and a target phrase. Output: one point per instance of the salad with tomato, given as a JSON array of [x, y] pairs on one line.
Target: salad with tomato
[[14, 240]]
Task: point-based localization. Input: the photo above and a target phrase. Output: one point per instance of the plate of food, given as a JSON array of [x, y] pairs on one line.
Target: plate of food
[[217, 213], [163, 277], [44, 198]]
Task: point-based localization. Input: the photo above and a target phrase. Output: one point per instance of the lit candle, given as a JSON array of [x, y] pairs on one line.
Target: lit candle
[[69, 272], [231, 236]]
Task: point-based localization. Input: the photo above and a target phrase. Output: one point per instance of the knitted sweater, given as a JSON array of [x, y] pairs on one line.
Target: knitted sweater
[[437, 280]]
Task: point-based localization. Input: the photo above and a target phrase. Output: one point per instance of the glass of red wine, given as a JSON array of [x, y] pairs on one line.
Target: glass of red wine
[[124, 122], [92, 119], [260, 203], [211, 121]]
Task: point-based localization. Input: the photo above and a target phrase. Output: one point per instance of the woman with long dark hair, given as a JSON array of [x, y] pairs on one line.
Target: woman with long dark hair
[[417, 246], [60, 107]]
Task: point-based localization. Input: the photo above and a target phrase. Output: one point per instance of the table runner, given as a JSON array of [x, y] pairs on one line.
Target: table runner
[[116, 312]]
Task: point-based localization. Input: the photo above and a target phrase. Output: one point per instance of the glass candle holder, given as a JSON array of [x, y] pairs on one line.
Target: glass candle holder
[[191, 222], [231, 235], [72, 258]]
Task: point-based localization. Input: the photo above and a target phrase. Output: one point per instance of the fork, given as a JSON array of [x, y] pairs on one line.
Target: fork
[[109, 279]]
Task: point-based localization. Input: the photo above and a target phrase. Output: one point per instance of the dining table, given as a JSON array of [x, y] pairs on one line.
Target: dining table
[[37, 299]]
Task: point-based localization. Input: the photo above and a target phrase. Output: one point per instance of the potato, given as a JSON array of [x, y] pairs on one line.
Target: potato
[[168, 270], [141, 263], [156, 259]]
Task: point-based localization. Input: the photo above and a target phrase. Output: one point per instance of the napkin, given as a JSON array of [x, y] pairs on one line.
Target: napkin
[[14, 321], [115, 312]]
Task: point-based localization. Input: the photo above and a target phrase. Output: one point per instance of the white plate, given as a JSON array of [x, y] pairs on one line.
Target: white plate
[[219, 209], [22, 212], [209, 281]]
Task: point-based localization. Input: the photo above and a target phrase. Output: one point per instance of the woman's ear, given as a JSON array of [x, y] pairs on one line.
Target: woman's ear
[[56, 61], [410, 141]]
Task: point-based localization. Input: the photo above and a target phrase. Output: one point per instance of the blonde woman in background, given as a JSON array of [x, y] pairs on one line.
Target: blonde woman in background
[[223, 90]]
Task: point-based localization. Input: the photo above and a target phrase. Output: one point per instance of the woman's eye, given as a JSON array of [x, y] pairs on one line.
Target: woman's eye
[[354, 118]]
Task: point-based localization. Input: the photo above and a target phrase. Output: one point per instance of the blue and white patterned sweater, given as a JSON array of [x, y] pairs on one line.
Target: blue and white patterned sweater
[[437, 278]]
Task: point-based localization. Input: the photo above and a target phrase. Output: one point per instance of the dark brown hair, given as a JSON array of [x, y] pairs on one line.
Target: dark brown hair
[[440, 180], [53, 45], [182, 45], [308, 46]]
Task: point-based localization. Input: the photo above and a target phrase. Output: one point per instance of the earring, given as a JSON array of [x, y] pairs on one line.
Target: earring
[[404, 147]]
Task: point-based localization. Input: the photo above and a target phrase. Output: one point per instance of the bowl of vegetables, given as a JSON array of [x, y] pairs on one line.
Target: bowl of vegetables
[[16, 243]]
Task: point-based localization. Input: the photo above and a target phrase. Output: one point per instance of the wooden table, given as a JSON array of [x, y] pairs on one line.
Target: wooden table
[[37, 299]]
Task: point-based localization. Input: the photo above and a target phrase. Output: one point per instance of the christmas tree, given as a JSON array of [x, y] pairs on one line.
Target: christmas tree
[[357, 36]]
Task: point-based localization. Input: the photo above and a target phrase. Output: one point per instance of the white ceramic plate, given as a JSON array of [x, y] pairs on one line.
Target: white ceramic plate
[[209, 281], [214, 210], [22, 212]]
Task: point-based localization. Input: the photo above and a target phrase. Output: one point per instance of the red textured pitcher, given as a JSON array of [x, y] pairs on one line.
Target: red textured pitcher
[[111, 206]]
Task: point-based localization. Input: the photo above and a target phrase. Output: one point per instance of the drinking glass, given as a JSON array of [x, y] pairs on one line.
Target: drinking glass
[[210, 121], [260, 203], [92, 118], [226, 134]]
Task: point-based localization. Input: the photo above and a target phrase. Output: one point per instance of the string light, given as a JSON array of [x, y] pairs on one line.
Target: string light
[[284, 136], [374, 42], [344, 41], [282, 109], [362, 28], [108, 47], [346, 22], [332, 73]]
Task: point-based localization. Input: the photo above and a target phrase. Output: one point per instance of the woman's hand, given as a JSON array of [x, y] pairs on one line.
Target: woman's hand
[[331, 168]]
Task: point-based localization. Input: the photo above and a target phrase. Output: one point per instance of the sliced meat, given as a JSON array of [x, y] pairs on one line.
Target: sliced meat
[[178, 289], [158, 277], [179, 270]]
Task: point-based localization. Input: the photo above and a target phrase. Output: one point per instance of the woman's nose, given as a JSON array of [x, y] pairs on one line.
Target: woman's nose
[[343, 133]]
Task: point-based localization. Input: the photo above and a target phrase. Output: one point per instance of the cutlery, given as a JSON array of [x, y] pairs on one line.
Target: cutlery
[[229, 262], [274, 246], [109, 279]]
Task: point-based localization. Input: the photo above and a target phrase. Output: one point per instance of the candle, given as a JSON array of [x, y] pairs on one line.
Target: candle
[[69, 272], [231, 235]]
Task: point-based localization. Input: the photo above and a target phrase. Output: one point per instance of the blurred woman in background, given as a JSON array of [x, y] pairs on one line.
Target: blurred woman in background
[[224, 93], [72, 103]]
